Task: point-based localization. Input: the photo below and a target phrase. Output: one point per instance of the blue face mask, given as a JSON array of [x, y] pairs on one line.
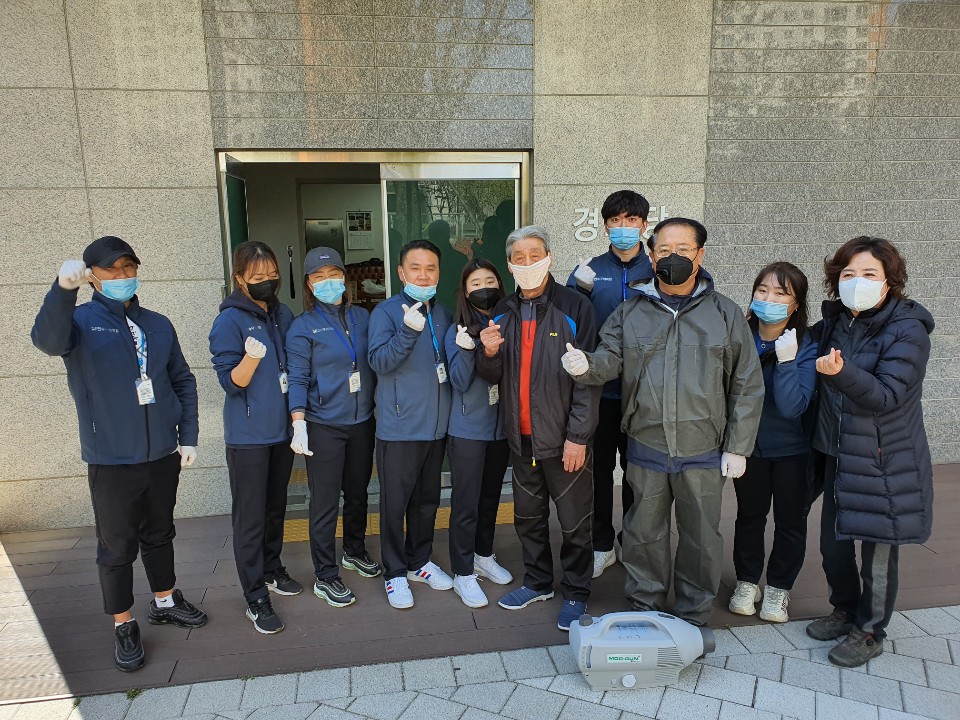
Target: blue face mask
[[624, 238], [121, 290], [420, 294], [769, 313], [329, 291]]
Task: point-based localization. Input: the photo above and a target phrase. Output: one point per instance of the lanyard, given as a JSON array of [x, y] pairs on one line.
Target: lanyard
[[433, 335], [141, 348], [348, 344]]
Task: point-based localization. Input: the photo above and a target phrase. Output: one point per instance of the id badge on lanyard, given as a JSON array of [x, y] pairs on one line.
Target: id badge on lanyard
[[284, 383], [441, 372], [145, 395], [354, 381]]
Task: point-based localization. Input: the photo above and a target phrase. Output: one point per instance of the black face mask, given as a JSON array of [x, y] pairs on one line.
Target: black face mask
[[674, 269], [485, 298], [263, 291]]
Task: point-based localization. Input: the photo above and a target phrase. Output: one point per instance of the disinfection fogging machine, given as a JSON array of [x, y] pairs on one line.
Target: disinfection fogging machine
[[620, 651]]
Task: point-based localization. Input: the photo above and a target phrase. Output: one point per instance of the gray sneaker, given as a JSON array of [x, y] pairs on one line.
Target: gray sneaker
[[856, 649], [833, 626]]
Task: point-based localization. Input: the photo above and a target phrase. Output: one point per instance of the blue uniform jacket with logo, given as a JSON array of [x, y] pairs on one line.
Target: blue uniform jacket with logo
[[472, 417]]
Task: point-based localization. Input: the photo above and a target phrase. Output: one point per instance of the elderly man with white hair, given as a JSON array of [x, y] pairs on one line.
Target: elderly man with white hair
[[549, 421]]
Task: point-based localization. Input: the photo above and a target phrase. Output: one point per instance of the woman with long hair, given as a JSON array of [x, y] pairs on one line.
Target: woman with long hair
[[476, 443], [870, 446], [249, 355], [778, 469]]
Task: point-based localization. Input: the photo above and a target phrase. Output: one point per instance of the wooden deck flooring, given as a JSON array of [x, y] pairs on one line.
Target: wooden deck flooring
[[55, 641]]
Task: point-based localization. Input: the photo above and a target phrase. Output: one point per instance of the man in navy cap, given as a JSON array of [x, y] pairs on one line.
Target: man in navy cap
[[137, 409]]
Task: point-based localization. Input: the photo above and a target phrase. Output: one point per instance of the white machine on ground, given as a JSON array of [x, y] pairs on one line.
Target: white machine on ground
[[620, 651]]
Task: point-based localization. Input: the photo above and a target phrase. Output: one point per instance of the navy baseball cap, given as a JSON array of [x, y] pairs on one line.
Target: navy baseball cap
[[105, 251], [321, 257]]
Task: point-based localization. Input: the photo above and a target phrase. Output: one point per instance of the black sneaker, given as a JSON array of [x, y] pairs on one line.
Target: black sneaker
[[183, 614], [362, 564], [281, 583], [129, 652], [264, 619], [856, 649], [334, 592], [831, 627]]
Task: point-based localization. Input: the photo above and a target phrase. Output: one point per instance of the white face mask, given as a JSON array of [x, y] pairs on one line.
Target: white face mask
[[861, 294], [530, 277]]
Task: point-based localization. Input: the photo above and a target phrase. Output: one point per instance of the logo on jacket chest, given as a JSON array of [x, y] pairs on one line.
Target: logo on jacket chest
[[100, 328], [320, 330], [254, 327]]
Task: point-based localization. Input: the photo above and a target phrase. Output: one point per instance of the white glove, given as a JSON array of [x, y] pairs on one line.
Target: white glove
[[255, 348], [371, 288], [786, 346], [584, 275], [413, 318], [463, 338], [574, 361], [732, 466], [73, 274], [188, 455], [299, 442]]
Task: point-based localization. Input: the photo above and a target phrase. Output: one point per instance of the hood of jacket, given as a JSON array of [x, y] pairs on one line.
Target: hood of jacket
[[894, 310], [238, 300]]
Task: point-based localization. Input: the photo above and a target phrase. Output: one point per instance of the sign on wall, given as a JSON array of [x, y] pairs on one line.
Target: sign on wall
[[587, 223]]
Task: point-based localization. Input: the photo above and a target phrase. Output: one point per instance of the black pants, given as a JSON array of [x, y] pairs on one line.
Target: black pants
[[606, 443], [258, 484], [342, 461], [867, 594], [572, 495], [409, 487], [133, 510], [785, 481], [477, 468]]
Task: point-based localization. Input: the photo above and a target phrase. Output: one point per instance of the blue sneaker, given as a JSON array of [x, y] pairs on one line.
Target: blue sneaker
[[571, 611], [523, 596]]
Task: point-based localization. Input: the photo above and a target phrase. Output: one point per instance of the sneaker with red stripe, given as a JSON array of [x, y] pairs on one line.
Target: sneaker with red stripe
[[433, 576], [398, 593]]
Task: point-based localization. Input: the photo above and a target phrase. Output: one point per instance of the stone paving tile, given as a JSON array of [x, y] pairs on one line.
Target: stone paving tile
[[714, 661], [580, 710], [326, 712], [8, 711], [733, 711], [340, 703], [489, 696], [51, 710], [925, 648], [300, 711], [214, 697], [433, 708], [941, 676], [766, 665], [887, 714], [233, 714], [901, 627], [540, 683], [779, 698], [269, 691], [898, 667], [811, 675], [159, 703], [563, 659], [527, 703], [478, 668], [631, 716], [205, 716], [575, 686], [640, 702], [929, 702], [323, 685], [474, 714], [680, 705], [831, 707], [726, 685], [388, 706], [870, 689], [99, 707], [435, 672], [531, 663], [762, 638], [934, 621], [728, 644], [688, 678], [796, 633], [444, 693], [952, 610], [376, 679]]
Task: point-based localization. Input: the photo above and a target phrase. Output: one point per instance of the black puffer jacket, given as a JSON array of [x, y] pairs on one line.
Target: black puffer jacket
[[884, 485], [560, 409]]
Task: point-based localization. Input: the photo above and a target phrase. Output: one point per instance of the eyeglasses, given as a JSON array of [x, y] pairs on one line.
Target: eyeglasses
[[687, 252]]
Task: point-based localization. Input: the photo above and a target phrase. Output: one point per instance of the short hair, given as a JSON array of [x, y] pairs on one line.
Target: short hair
[[249, 255], [894, 266], [699, 231], [625, 201], [528, 231], [419, 245]]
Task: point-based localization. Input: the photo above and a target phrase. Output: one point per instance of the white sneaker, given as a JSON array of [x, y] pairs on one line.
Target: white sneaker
[[467, 587], [602, 560], [398, 592], [493, 571], [774, 608], [432, 575], [745, 598]]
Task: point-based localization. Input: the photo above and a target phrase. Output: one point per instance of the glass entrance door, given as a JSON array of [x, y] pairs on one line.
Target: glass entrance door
[[465, 209]]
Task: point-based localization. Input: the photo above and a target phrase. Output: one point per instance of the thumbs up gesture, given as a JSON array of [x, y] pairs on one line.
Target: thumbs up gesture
[[584, 275], [463, 338], [413, 318], [574, 361], [491, 338], [831, 363]]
